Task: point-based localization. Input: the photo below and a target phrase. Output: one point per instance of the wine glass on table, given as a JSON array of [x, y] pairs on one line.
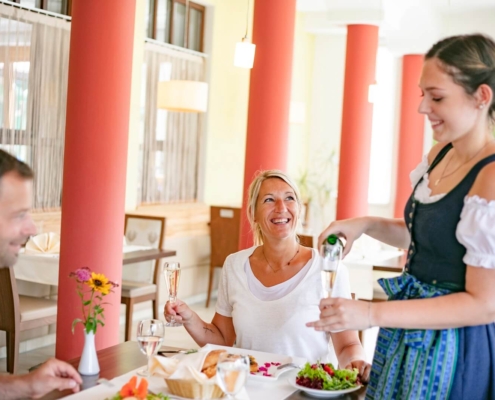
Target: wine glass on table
[[172, 278], [150, 334], [232, 372]]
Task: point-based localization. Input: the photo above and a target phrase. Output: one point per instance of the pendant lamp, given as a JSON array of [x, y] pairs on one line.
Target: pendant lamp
[[183, 95], [244, 50]]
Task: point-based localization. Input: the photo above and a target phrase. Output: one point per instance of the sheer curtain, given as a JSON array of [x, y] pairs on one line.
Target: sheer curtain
[[170, 140], [34, 56]]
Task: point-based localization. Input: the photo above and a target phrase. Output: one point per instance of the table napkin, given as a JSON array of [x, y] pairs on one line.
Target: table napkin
[[48, 243], [187, 368]]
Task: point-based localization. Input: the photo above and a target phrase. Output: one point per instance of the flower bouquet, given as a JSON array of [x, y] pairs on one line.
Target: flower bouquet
[[91, 288]]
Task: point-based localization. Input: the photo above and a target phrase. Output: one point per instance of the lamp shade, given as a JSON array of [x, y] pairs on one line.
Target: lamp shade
[[244, 54], [183, 96]]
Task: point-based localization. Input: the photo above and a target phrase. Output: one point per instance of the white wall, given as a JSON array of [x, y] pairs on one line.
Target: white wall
[[326, 113]]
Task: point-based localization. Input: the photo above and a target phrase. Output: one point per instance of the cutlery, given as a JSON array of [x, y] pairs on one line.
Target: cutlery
[[288, 365], [163, 352]]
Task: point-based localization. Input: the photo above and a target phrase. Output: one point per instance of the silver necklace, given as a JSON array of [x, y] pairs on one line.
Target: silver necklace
[[464, 163], [288, 263]]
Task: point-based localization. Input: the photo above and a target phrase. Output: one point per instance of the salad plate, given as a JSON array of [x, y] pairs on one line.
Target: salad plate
[[323, 393]]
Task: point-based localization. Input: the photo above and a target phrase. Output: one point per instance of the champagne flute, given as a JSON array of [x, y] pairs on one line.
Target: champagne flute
[[150, 334], [331, 256], [172, 278], [232, 372]]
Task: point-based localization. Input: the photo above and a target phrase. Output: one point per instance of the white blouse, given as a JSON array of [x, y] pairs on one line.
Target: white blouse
[[475, 229]]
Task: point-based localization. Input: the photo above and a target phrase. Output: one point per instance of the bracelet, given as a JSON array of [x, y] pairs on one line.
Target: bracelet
[[369, 314]]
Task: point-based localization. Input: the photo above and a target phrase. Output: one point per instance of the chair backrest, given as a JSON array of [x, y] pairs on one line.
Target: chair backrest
[[9, 301], [305, 240], [144, 230], [225, 225]]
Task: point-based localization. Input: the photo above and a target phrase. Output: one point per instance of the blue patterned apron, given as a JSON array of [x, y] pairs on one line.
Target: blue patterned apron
[[413, 363]]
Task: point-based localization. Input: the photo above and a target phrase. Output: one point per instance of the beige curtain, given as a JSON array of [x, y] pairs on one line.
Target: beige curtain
[[170, 140], [34, 54]]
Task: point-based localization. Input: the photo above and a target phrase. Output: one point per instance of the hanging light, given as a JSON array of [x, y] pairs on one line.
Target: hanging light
[[244, 50], [183, 95]]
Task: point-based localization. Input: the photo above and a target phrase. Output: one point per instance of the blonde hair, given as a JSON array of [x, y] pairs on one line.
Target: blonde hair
[[253, 193]]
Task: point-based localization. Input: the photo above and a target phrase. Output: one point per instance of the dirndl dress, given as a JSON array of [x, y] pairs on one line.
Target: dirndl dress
[[434, 364]]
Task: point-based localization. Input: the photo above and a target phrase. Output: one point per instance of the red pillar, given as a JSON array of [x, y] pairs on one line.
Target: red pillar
[[98, 103], [269, 95], [412, 124], [357, 114]]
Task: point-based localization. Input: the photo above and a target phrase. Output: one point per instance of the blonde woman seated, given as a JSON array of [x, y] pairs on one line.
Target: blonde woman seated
[[267, 293]]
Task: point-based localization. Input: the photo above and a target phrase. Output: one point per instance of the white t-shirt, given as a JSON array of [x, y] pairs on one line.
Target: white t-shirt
[[475, 229], [277, 326]]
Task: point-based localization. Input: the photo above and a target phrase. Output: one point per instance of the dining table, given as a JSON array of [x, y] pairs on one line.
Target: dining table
[[123, 358], [43, 268]]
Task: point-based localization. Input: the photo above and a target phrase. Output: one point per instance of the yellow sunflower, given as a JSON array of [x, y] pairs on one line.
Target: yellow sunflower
[[100, 283]]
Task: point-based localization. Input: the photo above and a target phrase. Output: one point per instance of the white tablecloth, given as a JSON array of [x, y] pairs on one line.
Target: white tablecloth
[[278, 390], [43, 268]]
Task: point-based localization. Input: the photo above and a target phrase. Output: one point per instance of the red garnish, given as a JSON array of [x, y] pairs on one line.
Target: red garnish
[[130, 389]]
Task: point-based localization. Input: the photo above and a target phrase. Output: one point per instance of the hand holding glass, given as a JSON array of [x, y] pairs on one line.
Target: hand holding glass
[[150, 334], [331, 257], [172, 278], [232, 372]]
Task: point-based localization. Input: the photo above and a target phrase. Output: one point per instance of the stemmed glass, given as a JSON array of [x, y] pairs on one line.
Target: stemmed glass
[[172, 278], [232, 372], [150, 334], [331, 257]]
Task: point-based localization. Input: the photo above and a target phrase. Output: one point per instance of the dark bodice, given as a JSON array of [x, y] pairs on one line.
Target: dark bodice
[[435, 255]]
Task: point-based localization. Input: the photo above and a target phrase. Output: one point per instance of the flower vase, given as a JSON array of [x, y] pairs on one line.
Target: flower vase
[[88, 365]]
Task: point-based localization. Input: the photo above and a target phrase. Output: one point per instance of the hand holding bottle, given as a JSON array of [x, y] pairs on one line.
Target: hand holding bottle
[[349, 229]]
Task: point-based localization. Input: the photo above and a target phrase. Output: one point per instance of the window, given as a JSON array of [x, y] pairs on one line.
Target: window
[[170, 141], [33, 88], [55, 6], [166, 22], [382, 135]]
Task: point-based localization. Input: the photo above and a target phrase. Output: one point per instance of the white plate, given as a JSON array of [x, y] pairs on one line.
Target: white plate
[[262, 358], [323, 394]]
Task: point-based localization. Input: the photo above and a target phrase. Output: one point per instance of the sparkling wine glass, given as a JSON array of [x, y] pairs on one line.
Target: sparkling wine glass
[[150, 334], [232, 372], [331, 257], [172, 278]]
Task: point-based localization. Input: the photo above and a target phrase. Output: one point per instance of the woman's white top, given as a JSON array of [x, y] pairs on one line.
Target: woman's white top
[[475, 229], [277, 325]]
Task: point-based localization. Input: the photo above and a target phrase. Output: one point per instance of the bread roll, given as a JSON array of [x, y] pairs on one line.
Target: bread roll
[[210, 363]]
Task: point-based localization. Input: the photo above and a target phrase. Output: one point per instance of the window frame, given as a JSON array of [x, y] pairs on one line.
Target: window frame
[[170, 28], [44, 6]]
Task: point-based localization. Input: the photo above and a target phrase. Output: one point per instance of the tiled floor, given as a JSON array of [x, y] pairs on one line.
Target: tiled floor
[[176, 336]]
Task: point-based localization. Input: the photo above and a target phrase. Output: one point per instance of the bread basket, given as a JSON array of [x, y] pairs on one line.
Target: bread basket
[[191, 389]]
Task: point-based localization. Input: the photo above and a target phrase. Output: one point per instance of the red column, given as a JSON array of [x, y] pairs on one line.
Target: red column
[[357, 113], [412, 124], [95, 160], [269, 95]]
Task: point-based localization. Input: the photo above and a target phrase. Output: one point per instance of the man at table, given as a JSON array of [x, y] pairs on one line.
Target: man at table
[[16, 225]]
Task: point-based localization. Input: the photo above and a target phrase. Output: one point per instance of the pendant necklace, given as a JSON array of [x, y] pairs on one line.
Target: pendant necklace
[[464, 163], [288, 263]]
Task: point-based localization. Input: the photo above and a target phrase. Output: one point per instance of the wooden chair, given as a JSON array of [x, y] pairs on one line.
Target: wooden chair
[[140, 280], [20, 313], [225, 225], [306, 240]]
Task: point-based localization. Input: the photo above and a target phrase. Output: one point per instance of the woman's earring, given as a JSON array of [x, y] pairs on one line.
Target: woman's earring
[[481, 106]]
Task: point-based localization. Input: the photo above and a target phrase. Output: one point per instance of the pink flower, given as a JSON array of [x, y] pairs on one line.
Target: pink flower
[[82, 274], [262, 369], [267, 365]]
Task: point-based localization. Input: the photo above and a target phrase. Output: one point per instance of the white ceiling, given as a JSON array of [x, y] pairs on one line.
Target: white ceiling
[[443, 5]]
